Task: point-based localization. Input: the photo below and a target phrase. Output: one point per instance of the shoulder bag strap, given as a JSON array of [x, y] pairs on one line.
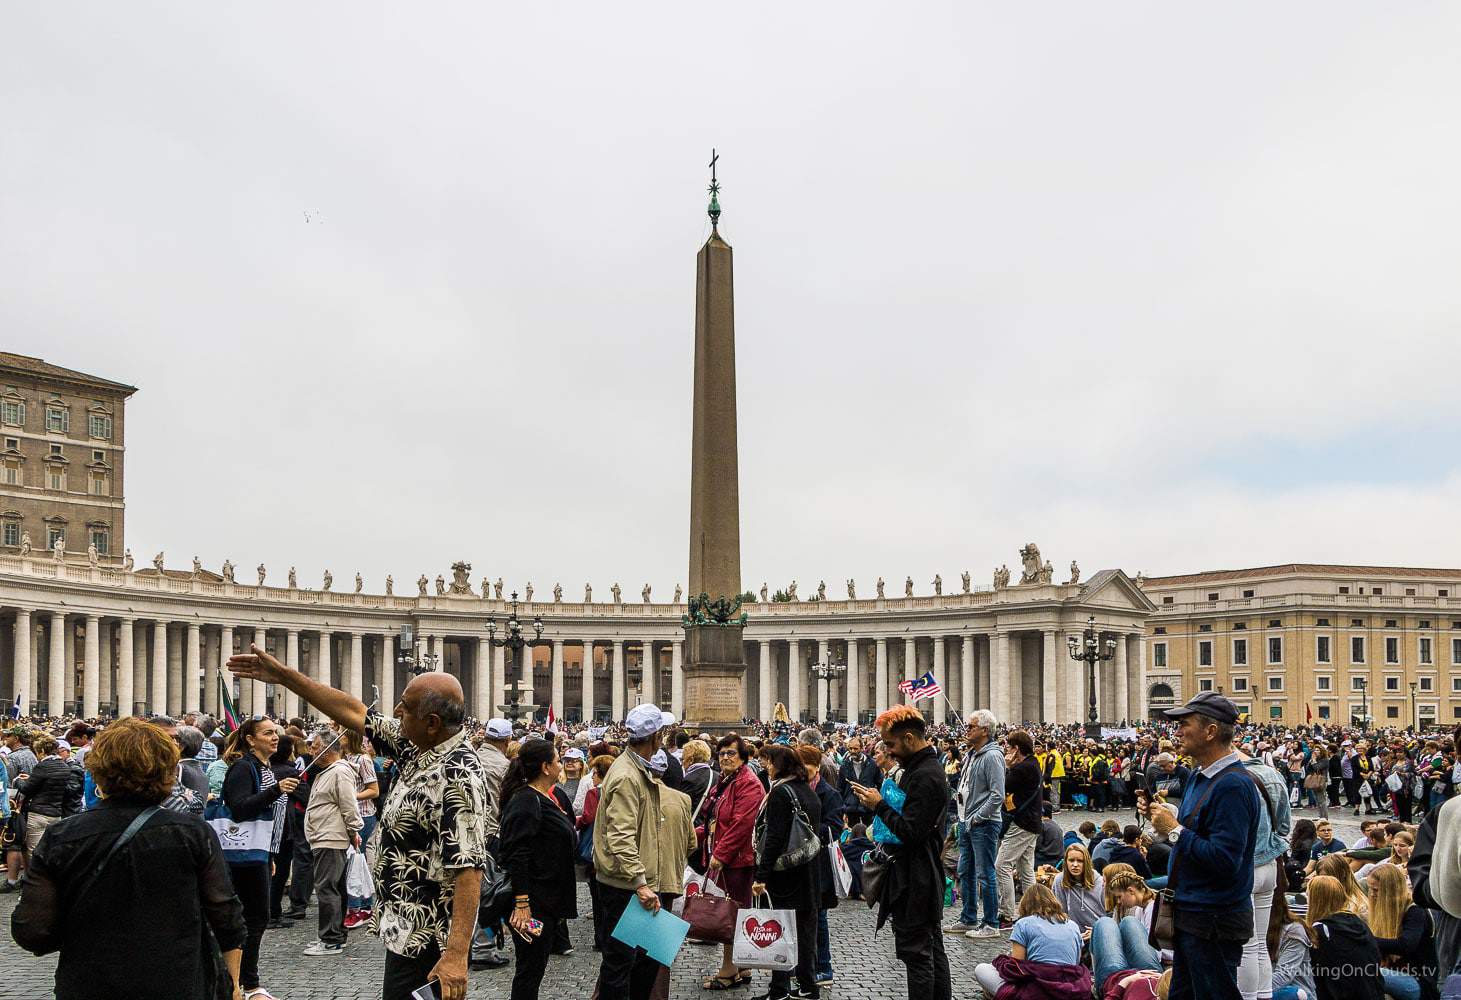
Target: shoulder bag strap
[[138, 822]]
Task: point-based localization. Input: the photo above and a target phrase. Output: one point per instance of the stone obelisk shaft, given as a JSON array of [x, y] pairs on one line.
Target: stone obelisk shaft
[[715, 497]]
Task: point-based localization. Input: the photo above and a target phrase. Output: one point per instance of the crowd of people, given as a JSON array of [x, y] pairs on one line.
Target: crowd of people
[[1189, 875]]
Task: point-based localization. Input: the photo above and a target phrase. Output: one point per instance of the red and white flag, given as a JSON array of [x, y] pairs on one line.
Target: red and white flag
[[552, 723]]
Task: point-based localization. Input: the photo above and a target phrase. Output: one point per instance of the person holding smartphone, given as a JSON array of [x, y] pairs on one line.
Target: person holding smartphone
[[538, 850]]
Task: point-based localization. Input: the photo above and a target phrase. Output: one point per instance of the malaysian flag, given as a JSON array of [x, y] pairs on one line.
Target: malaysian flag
[[925, 687]]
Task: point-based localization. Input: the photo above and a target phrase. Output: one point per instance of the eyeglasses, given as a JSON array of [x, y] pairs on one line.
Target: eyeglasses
[[727, 754]]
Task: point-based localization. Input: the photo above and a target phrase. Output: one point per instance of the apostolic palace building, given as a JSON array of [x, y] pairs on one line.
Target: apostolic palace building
[[86, 630]]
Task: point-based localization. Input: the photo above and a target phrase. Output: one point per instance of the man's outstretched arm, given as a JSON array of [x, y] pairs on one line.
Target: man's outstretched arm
[[258, 665]]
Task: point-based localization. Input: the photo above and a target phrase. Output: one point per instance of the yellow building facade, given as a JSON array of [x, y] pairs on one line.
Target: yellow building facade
[[1307, 642]]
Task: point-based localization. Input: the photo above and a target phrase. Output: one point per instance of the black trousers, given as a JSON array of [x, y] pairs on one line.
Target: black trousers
[[806, 953], [625, 973], [302, 879], [1351, 791], [405, 975], [601, 930], [532, 960], [280, 878], [920, 947], [251, 883]]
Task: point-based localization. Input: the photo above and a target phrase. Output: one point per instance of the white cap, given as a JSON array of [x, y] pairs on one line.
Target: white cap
[[666, 719], [659, 763], [573, 753], [1347, 743], [499, 729], [643, 721]]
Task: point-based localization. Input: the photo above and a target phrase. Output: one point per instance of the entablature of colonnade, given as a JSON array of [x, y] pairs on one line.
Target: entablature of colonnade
[[47, 584]]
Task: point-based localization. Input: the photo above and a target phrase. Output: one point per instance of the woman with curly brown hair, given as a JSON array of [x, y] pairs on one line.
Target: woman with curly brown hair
[[158, 877]]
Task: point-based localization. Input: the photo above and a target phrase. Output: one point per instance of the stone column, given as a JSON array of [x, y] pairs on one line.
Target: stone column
[[158, 702], [910, 663], [1049, 685], [587, 681], [880, 675], [192, 667], [91, 668], [499, 680], [482, 679], [1075, 685], [999, 679], [854, 681], [56, 666], [795, 669], [291, 660], [324, 651], [140, 690], [23, 685], [125, 667], [937, 668], [823, 659], [527, 680], [108, 651], [1142, 709], [648, 669], [355, 681], [619, 681], [225, 650], [556, 695], [1120, 709], [766, 696], [174, 672], [210, 673], [677, 679], [70, 673], [385, 675], [968, 686], [258, 690]]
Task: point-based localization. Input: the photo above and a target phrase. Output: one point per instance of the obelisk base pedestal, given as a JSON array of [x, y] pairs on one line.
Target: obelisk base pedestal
[[715, 668]]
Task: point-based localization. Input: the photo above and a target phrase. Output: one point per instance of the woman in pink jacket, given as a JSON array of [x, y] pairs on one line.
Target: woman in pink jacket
[[727, 833]]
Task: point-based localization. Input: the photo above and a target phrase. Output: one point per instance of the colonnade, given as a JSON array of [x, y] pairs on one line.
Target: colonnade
[[132, 664]]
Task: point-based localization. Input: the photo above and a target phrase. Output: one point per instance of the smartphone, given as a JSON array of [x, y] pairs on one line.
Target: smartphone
[[431, 991], [535, 926]]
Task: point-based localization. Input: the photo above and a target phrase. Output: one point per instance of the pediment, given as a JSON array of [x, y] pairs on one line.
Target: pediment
[[1112, 588]]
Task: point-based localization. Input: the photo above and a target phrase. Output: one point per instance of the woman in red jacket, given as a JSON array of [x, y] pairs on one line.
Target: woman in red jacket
[[727, 834]]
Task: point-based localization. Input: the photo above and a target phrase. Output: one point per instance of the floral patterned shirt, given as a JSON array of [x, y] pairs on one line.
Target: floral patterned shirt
[[431, 825]]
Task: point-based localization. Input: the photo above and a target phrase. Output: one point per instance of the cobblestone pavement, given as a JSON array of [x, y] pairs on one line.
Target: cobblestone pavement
[[864, 961]]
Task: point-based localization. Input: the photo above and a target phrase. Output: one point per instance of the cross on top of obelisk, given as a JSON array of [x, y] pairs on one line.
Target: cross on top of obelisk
[[714, 208]]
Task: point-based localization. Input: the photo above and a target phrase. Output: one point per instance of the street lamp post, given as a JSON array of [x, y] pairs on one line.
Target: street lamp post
[[1364, 700], [1414, 722], [1090, 650], [409, 660], [824, 673], [512, 639]]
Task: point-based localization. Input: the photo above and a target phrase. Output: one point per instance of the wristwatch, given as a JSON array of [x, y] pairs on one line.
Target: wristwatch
[[1174, 834]]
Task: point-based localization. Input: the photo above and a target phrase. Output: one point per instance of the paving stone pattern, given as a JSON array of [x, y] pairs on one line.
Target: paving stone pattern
[[864, 961]]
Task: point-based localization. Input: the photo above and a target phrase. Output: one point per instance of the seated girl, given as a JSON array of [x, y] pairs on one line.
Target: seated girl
[[1042, 934]]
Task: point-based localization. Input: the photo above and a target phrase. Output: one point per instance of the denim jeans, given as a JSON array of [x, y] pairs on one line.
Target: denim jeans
[[824, 946], [978, 845], [1205, 969], [1400, 985], [1115, 948]]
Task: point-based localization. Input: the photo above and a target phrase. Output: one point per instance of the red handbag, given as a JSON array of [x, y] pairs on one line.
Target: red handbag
[[711, 918]]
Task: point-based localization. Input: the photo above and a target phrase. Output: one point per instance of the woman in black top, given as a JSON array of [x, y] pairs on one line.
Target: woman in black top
[[796, 888], [142, 928], [250, 791], [46, 789], [538, 841]]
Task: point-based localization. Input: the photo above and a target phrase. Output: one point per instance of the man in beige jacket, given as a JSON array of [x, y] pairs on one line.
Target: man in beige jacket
[[331, 825], [642, 837]]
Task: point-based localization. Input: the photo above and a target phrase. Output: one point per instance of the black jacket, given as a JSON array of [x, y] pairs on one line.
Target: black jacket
[[828, 831], [48, 790], [537, 846], [1346, 959], [1022, 785], [243, 792], [913, 893], [792, 887], [139, 933], [866, 773], [695, 784], [1415, 948]]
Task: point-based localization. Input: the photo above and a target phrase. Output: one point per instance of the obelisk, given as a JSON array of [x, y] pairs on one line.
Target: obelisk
[[715, 659]]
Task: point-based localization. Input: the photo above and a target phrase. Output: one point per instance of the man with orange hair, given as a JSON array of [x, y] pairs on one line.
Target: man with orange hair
[[913, 889]]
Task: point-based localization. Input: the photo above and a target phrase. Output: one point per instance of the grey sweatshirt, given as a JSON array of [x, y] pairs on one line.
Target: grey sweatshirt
[[1293, 967], [981, 785]]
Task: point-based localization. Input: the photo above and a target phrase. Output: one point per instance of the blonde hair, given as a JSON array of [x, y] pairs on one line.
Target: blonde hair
[[1336, 866], [1326, 898], [1114, 873], [1389, 899], [1119, 882], [1087, 878], [695, 752], [1039, 901]]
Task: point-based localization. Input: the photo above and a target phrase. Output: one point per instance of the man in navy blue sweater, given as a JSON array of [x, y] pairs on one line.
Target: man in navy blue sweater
[[1211, 867]]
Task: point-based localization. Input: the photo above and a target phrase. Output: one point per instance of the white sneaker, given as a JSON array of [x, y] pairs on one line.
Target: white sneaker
[[983, 931], [317, 949]]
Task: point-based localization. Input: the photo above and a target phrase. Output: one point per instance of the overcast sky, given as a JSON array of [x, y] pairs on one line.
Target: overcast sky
[[1153, 286]]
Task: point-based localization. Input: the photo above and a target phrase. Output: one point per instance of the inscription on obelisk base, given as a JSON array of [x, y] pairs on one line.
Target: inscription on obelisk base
[[715, 663]]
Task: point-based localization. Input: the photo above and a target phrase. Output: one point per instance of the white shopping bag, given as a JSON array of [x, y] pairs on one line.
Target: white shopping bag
[[694, 884], [358, 882], [765, 939], [841, 873]]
